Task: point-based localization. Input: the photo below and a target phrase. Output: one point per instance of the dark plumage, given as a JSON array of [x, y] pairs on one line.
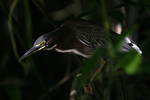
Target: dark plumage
[[80, 37]]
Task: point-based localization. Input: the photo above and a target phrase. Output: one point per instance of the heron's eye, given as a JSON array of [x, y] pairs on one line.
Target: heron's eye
[[41, 44]]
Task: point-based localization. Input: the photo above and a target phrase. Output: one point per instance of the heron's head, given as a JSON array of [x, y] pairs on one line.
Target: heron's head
[[44, 42]]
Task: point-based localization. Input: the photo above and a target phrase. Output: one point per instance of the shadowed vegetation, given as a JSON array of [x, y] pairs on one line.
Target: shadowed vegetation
[[48, 75]]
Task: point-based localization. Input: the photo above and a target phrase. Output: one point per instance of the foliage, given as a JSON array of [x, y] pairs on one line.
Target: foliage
[[50, 75]]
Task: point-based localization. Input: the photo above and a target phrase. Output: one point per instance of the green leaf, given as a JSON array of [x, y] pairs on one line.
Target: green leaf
[[121, 38], [91, 64], [130, 62]]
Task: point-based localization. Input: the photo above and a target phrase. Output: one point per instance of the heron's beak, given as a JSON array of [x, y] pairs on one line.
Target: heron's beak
[[29, 52]]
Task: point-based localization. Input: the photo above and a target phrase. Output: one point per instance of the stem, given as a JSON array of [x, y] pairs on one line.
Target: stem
[[11, 30], [13, 25]]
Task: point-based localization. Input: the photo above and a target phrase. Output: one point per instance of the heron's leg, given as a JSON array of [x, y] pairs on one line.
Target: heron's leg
[[88, 87]]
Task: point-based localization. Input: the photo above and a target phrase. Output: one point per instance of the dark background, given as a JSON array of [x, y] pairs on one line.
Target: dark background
[[50, 71]]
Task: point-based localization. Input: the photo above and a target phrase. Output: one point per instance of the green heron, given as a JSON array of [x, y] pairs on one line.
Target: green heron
[[80, 37]]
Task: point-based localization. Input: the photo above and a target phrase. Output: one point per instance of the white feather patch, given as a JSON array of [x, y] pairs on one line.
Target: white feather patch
[[72, 51], [137, 48], [128, 41], [50, 48]]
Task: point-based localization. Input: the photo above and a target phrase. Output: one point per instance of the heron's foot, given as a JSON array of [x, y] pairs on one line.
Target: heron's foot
[[88, 89]]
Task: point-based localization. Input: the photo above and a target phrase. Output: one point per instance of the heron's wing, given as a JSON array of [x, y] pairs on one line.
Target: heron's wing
[[98, 37], [95, 35]]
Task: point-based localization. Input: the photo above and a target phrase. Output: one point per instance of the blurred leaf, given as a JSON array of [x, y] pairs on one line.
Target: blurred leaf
[[118, 15], [91, 64], [14, 92], [105, 18], [28, 33], [130, 62], [121, 38], [4, 61], [10, 27], [28, 22]]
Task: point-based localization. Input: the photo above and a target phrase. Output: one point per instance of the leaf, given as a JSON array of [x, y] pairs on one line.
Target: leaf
[[121, 38], [130, 62], [91, 64]]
